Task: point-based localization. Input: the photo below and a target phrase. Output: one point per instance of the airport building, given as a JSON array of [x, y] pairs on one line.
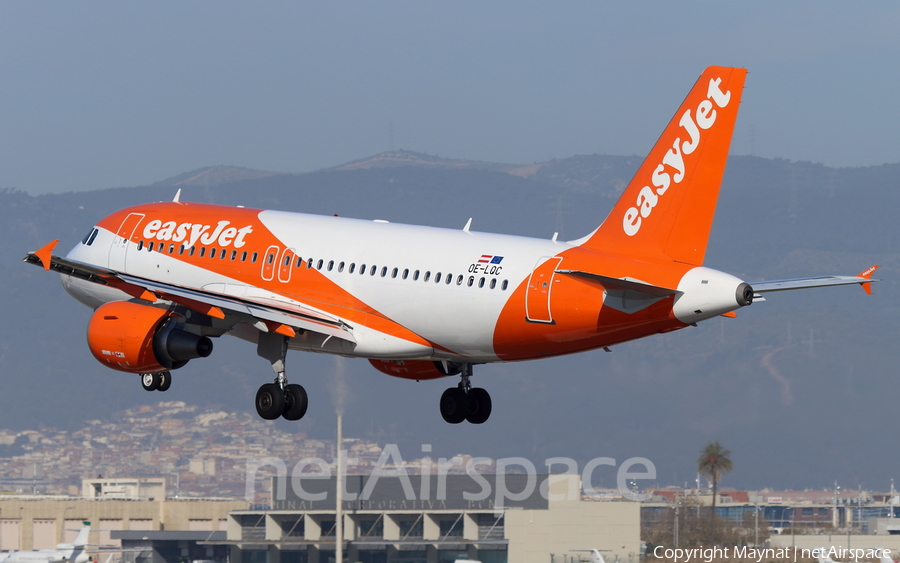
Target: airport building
[[414, 519], [410, 519], [438, 519], [42, 522]]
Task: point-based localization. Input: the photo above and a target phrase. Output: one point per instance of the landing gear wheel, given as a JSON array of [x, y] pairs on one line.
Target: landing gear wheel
[[295, 402], [454, 405], [479, 406], [150, 381], [269, 401], [165, 381]]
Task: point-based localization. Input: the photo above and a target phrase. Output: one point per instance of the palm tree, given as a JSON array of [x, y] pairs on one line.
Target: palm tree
[[713, 463]]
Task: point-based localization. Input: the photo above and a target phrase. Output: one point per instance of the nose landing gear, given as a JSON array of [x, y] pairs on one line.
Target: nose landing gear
[[464, 402]]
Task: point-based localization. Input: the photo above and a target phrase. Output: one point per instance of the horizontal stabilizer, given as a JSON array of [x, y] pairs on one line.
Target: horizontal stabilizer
[[864, 279], [622, 283]]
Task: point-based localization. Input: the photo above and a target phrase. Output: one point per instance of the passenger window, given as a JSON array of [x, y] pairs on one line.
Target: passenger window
[[299, 262], [191, 251], [161, 247], [270, 258], [459, 279], [416, 275], [394, 273], [309, 263], [140, 245], [202, 251], [172, 248], [233, 255], [352, 268], [362, 270], [319, 264], [405, 273], [372, 270], [253, 257], [341, 267], [330, 265], [150, 246], [471, 281], [493, 283], [481, 282], [505, 283], [244, 256], [212, 252], [223, 253], [383, 271], [427, 276], [437, 278], [181, 250], [287, 260]]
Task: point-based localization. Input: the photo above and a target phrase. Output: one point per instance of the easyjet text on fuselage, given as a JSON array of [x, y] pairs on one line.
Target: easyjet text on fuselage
[[191, 233]]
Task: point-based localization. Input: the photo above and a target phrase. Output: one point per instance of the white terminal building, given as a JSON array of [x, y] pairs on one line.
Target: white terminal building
[[440, 520]]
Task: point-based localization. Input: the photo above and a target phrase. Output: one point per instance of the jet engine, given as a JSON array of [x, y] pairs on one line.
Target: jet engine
[[136, 338], [416, 369]]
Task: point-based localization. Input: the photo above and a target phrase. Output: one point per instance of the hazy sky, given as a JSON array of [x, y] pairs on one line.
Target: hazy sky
[[109, 94]]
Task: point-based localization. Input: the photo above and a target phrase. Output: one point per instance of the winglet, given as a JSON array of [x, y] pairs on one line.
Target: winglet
[[46, 253], [177, 198], [867, 286]]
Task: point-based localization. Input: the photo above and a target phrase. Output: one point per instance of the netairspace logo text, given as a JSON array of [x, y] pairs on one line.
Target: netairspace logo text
[[391, 464]]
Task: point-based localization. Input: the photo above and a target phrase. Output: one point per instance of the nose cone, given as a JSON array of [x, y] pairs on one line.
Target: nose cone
[[707, 293]]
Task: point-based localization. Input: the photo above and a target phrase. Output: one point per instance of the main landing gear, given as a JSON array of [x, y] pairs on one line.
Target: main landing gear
[[464, 402], [278, 399], [156, 381]]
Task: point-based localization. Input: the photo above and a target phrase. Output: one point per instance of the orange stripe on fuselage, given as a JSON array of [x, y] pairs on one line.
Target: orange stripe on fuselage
[[240, 230], [580, 321]]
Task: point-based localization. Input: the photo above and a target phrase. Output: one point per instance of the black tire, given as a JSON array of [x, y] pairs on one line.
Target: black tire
[[295, 402], [165, 381], [269, 401], [479, 406], [454, 405], [150, 381]]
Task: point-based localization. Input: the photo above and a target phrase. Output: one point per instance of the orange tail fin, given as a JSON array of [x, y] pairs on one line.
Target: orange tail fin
[[667, 209]]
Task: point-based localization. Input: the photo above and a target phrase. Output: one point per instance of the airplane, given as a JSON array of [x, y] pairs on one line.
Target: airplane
[[64, 552], [595, 555], [418, 302]]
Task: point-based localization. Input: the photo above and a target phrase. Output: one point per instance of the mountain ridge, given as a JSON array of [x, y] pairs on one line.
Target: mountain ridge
[[659, 398]]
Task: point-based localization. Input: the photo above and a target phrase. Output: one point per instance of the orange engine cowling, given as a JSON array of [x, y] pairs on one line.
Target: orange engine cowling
[[140, 339], [416, 369]]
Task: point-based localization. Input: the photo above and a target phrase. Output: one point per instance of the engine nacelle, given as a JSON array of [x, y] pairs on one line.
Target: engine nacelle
[[416, 369], [139, 339]]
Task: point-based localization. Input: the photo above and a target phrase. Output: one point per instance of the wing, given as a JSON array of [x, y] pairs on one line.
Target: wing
[[267, 312], [863, 278]]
